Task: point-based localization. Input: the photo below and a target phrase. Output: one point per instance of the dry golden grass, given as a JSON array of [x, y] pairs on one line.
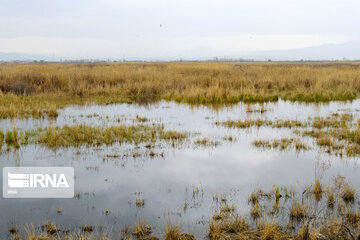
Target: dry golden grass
[[174, 232], [348, 193], [227, 229], [195, 83], [297, 211], [140, 202], [142, 229], [318, 190], [49, 231], [281, 144], [239, 229]]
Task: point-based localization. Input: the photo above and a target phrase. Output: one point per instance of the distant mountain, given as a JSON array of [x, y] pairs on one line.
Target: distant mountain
[[7, 57], [344, 51], [348, 51]]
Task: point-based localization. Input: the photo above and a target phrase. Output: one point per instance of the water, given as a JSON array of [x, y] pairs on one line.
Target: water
[[178, 187]]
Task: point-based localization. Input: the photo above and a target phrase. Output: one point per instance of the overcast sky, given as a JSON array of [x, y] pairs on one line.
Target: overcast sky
[[172, 28]]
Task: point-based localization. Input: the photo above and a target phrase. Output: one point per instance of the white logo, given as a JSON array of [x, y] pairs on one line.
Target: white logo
[[18, 180], [38, 182]]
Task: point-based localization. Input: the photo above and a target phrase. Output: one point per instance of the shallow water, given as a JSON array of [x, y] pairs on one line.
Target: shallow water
[[167, 183]]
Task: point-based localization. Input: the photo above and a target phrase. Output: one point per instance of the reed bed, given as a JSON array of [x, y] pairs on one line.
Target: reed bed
[[81, 134], [247, 123], [194, 83], [305, 216], [337, 134], [281, 144]]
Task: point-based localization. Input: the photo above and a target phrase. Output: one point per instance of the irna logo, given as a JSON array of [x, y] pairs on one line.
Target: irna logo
[[38, 182]]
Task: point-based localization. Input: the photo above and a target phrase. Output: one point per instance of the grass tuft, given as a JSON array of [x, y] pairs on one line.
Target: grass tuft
[[174, 232], [142, 229], [318, 191]]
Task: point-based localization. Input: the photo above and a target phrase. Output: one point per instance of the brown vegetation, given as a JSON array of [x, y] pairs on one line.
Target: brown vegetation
[[41, 87]]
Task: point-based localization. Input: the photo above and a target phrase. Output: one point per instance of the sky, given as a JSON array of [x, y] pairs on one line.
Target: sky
[[118, 29]]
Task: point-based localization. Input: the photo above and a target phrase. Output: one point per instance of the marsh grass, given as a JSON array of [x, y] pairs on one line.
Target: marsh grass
[[238, 228], [229, 138], [218, 216], [206, 142], [305, 218], [244, 123], [228, 228], [59, 210], [352, 150], [301, 145], [39, 88], [348, 193], [55, 137], [50, 228], [330, 193], [12, 138], [77, 135], [281, 144], [255, 211], [87, 228], [140, 202], [353, 217], [227, 209], [49, 231], [142, 229], [335, 134], [251, 109], [318, 190], [25, 106], [262, 143], [297, 211], [174, 232], [141, 119], [247, 123], [311, 215], [255, 196], [13, 230]]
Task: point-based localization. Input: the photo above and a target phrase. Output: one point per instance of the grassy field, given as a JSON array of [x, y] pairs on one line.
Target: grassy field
[[37, 90]]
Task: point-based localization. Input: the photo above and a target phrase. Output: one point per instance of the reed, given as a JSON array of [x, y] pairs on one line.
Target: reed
[[142, 229], [318, 190], [12, 138], [193, 83], [297, 211], [206, 142], [140, 202], [77, 135], [174, 232]]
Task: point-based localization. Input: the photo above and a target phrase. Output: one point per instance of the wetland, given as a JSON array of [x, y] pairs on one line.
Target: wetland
[[229, 151]]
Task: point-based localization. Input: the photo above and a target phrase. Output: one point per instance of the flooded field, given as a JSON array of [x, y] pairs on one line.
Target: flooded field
[[223, 154]]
